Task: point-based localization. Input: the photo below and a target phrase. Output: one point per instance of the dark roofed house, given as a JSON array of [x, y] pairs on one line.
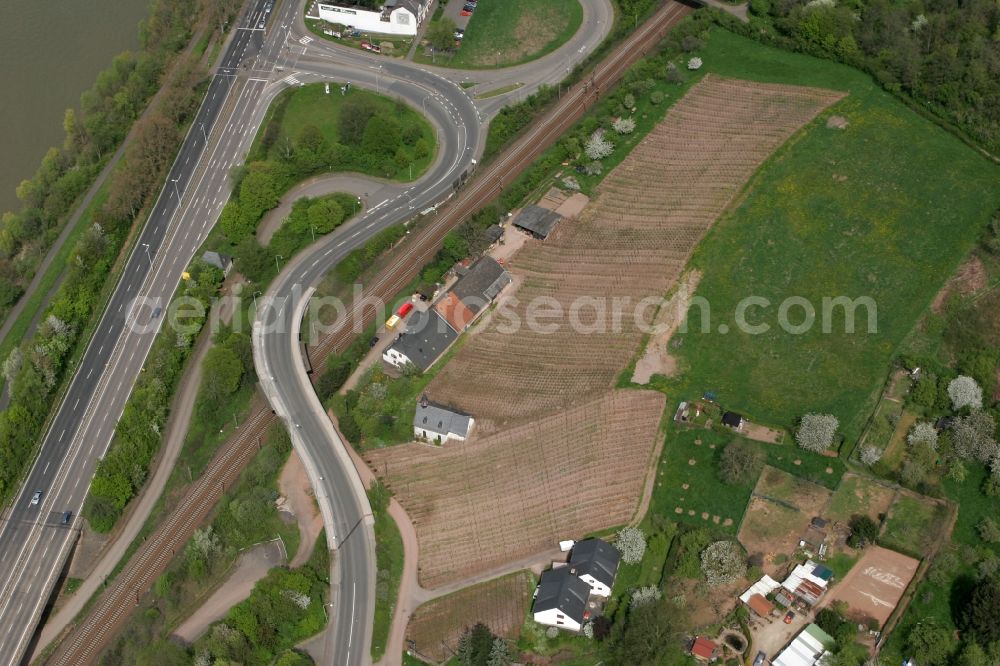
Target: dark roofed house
[[426, 338], [493, 233], [561, 599], [733, 420], [483, 283], [596, 563], [537, 221], [221, 261], [436, 423]]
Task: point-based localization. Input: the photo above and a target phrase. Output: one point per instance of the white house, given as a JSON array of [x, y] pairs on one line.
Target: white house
[[595, 562], [396, 17], [563, 595], [561, 600], [438, 424], [427, 336]]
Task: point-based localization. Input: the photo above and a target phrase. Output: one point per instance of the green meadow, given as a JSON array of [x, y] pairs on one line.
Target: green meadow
[[883, 209]]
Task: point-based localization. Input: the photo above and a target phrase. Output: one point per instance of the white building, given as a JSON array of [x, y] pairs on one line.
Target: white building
[[397, 17], [808, 649], [438, 424], [561, 600], [595, 562]]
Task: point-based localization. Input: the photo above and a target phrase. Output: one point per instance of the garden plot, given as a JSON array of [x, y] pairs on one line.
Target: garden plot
[[915, 524], [779, 512], [859, 495], [501, 604], [492, 499], [630, 243]]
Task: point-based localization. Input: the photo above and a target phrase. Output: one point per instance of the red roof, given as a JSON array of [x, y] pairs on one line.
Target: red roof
[[703, 648], [760, 605], [454, 312]]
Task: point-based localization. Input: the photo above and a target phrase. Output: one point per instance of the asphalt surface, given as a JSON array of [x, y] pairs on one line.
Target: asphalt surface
[[256, 66], [33, 541]]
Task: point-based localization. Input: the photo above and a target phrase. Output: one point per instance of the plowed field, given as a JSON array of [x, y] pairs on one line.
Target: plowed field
[[630, 243]]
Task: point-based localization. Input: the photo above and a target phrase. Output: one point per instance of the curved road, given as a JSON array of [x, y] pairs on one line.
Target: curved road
[[256, 66]]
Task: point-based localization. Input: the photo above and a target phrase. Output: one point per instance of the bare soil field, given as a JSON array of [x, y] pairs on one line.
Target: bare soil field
[[630, 243], [875, 585], [779, 512], [501, 604], [492, 499]]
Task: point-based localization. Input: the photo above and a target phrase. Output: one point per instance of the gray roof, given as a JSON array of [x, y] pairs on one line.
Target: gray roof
[[427, 336], [597, 558], [440, 420], [539, 221], [494, 233], [477, 288], [559, 589], [216, 259]]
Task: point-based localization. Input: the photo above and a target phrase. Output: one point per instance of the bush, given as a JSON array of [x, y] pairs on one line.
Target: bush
[[864, 531]]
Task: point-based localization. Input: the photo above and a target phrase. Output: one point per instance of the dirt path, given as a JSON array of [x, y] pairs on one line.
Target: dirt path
[[252, 565], [372, 191], [293, 484], [181, 408]]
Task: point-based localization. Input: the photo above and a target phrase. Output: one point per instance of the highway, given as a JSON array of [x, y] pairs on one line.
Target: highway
[[256, 66], [33, 541]]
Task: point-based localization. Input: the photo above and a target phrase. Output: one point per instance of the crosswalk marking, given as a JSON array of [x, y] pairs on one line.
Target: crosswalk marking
[[305, 40]]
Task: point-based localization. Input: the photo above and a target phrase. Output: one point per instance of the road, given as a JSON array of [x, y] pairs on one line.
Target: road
[[33, 541], [257, 64]]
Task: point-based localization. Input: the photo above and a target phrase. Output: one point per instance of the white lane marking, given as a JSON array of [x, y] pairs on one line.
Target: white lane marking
[[45, 471], [61, 434]]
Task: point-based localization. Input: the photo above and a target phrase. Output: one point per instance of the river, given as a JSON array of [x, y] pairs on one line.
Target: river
[[50, 53]]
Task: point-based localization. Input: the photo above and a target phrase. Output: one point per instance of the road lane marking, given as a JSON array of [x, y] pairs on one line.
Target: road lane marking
[[45, 471], [61, 434]]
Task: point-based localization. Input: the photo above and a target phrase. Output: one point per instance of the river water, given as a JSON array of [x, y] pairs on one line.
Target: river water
[[50, 52]]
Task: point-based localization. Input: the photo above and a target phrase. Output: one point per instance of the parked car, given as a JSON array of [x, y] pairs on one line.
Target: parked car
[[459, 36], [376, 48], [789, 616], [366, 45], [36, 498], [466, 12], [373, 342], [759, 659]]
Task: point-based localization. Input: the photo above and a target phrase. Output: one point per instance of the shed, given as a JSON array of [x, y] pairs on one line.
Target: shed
[[483, 283], [221, 261], [703, 649], [537, 221], [733, 420], [760, 605]]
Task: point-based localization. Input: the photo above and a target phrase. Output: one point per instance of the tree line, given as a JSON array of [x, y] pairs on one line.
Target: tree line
[[36, 368], [943, 55]]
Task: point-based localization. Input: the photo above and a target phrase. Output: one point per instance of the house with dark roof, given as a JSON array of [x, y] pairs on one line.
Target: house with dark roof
[[426, 338], [537, 221], [596, 563], [435, 423], [733, 420], [482, 284], [221, 261], [561, 599]]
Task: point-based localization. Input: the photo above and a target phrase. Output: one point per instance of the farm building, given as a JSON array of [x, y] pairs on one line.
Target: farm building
[[427, 336], [733, 420], [561, 599], [454, 311], [756, 596], [537, 221], [396, 17], [595, 562], [439, 424], [221, 261], [493, 234], [807, 582], [704, 649], [807, 649], [813, 540], [483, 283]]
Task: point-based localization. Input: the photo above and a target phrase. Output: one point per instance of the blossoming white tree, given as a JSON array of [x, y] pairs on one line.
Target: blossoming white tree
[[631, 543], [598, 147], [723, 562], [816, 431], [623, 125], [965, 392], [923, 433]]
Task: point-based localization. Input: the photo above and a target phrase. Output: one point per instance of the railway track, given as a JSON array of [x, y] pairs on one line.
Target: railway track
[[489, 183], [93, 634], [90, 637]]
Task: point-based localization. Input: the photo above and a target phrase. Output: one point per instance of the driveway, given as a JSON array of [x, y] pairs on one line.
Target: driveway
[[771, 637]]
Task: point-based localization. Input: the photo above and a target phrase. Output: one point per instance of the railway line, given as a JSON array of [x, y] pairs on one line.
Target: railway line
[[95, 632]]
